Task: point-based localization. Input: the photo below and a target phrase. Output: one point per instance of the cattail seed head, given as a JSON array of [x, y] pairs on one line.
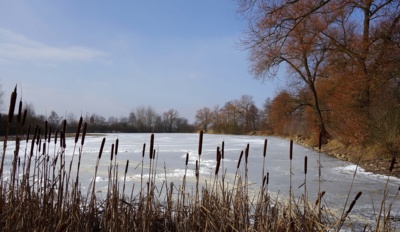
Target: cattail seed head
[[112, 152], [305, 165], [78, 130], [13, 100], [265, 147], [358, 196], [151, 146], [187, 159], [62, 135], [64, 125], [144, 149], [19, 112], [45, 129], [84, 133], [267, 178], [101, 147], [49, 136], [291, 150], [44, 148], [319, 141], [126, 166], [197, 168], [200, 142], [247, 153], [351, 206], [219, 156], [116, 146], [223, 150], [240, 159]]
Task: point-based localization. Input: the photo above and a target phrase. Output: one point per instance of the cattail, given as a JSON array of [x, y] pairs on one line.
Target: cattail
[[291, 150], [319, 141], [247, 153], [33, 140], [187, 159], [353, 202], [62, 135], [151, 145], [200, 142], [265, 147], [197, 168], [264, 180], [116, 146], [351, 206], [44, 148], [83, 133], [392, 164], [358, 195], [154, 154], [305, 165], [13, 100], [78, 130], [101, 147], [64, 125], [219, 156], [17, 144], [126, 166], [267, 178], [223, 149], [45, 130], [49, 136], [24, 117], [240, 159], [112, 152], [144, 149], [63, 138], [19, 112]]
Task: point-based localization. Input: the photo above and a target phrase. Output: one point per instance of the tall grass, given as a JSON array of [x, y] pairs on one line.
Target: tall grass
[[40, 194]]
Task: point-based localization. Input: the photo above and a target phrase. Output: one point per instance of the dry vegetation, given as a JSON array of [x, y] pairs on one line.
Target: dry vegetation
[[39, 194]]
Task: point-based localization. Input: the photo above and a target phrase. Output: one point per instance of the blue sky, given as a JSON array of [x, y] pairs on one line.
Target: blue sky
[[109, 57]]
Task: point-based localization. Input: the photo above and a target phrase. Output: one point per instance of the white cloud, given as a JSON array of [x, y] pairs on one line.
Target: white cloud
[[17, 47]]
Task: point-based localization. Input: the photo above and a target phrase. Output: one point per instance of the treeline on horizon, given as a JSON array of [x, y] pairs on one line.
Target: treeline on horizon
[[239, 116]]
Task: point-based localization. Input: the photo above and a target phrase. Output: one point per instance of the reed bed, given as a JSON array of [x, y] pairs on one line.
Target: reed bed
[[40, 194]]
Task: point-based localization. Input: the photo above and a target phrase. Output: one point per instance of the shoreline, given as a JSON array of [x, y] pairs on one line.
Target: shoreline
[[372, 164]]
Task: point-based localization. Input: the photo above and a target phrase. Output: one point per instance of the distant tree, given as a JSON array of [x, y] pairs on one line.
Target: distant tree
[[204, 118], [54, 120], [146, 117], [249, 112], [132, 119], [170, 118]]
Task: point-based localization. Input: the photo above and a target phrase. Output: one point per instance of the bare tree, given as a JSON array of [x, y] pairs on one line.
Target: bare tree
[[204, 118], [170, 118]]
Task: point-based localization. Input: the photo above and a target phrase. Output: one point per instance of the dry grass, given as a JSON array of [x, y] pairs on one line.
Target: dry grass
[[41, 195]]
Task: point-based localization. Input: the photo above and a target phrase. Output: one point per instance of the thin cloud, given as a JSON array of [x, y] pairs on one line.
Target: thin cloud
[[17, 47]]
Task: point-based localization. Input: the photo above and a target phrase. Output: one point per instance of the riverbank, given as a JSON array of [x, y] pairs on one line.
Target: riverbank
[[364, 157]]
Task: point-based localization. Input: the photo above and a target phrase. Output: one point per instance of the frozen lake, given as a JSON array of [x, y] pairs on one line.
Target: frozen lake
[[171, 149]]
